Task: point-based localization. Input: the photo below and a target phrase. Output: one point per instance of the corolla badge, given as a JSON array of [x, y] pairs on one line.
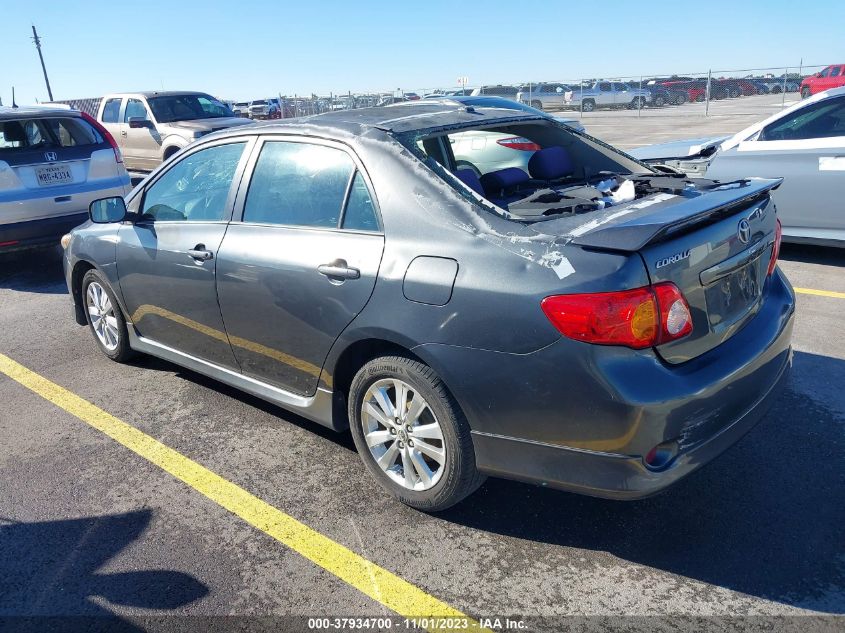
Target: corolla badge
[[743, 231], [50, 156], [660, 263]]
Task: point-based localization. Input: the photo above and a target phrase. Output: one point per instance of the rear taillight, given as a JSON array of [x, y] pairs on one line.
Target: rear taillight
[[520, 143], [638, 318], [775, 248], [105, 134]]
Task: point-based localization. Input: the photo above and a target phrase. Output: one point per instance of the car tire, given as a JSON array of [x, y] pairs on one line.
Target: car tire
[[776, 90], [537, 104], [588, 105], [681, 99], [105, 317], [658, 101], [412, 474], [805, 92]]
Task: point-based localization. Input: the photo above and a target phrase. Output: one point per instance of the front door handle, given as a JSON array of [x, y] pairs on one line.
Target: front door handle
[[338, 269], [200, 253]]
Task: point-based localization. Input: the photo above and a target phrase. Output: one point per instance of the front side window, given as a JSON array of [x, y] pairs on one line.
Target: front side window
[[135, 109], [196, 188], [604, 87], [820, 120], [298, 184], [111, 111]]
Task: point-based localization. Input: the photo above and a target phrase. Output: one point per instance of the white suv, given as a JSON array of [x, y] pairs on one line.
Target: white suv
[[53, 163]]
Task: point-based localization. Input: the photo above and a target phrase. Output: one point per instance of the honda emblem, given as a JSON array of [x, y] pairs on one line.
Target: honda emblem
[[51, 156]]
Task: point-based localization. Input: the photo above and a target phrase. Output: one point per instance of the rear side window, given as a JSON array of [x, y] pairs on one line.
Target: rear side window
[[196, 188], [28, 134], [360, 213], [834, 72], [111, 111], [298, 184]]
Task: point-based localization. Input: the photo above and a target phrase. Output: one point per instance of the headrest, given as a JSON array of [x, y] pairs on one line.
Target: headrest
[[13, 132], [470, 179], [550, 163], [508, 178]]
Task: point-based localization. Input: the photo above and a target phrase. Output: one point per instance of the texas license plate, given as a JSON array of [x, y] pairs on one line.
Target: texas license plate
[[53, 175]]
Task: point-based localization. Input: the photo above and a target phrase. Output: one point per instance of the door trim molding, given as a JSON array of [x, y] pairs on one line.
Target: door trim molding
[[317, 408]]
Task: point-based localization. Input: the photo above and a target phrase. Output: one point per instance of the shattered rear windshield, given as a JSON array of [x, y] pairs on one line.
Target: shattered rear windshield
[[531, 170]]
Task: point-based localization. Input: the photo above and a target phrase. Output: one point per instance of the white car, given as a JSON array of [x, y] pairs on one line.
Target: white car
[[804, 144], [53, 163]]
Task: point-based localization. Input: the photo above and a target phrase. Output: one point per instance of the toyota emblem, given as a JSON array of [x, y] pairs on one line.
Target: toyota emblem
[[744, 231], [51, 156]]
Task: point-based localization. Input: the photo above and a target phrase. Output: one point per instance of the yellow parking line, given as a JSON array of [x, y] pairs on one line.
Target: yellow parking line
[[820, 293], [387, 588]]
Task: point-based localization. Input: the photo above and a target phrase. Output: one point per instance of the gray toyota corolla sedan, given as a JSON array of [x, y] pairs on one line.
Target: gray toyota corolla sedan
[[588, 323]]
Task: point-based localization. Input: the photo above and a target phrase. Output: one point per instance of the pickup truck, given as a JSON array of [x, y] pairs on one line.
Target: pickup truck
[[265, 109], [152, 126], [607, 94]]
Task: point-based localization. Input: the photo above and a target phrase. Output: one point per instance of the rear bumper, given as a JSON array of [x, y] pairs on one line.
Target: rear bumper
[[609, 475], [581, 417], [35, 233]]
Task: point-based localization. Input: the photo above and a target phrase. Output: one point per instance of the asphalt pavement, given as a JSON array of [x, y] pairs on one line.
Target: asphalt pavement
[[89, 528]]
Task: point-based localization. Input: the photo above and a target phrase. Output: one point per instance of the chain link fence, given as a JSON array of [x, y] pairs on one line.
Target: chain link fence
[[713, 92]]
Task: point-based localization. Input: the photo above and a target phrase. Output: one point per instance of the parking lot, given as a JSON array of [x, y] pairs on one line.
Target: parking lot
[[146, 490], [627, 129]]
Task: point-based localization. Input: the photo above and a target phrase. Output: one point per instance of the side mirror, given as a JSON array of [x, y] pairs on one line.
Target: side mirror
[[107, 210], [136, 122]]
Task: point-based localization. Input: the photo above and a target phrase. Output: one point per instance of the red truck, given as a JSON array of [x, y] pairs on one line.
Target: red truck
[[831, 77]]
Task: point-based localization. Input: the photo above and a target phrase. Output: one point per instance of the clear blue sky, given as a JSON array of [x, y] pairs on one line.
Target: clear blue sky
[[233, 49]]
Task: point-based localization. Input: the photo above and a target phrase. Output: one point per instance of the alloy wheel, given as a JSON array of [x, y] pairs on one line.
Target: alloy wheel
[[103, 320], [403, 434]]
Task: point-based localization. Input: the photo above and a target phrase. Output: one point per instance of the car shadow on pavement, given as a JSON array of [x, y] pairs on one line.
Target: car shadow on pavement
[[49, 576], [343, 440], [811, 254], [767, 518], [37, 270]]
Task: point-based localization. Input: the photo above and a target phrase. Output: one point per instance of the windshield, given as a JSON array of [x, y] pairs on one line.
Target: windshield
[[167, 109]]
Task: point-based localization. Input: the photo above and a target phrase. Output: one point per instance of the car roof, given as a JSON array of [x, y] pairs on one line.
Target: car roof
[[29, 112], [407, 117], [157, 93]]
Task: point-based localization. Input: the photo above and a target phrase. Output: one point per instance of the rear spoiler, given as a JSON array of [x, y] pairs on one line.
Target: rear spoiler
[[674, 214]]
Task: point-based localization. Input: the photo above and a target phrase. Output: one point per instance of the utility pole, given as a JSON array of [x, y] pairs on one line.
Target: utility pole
[[37, 41]]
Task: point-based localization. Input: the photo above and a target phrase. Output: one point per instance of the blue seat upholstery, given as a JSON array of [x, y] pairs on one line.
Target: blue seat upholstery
[[470, 179], [551, 163], [496, 183]]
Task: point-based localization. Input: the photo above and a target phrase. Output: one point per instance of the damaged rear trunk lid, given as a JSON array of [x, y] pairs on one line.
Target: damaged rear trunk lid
[[713, 242]]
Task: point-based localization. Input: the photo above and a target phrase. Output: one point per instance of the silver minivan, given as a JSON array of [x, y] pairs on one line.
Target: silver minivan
[[53, 163]]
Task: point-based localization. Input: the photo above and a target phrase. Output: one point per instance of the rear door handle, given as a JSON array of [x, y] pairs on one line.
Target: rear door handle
[[338, 269], [200, 253], [123, 132]]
